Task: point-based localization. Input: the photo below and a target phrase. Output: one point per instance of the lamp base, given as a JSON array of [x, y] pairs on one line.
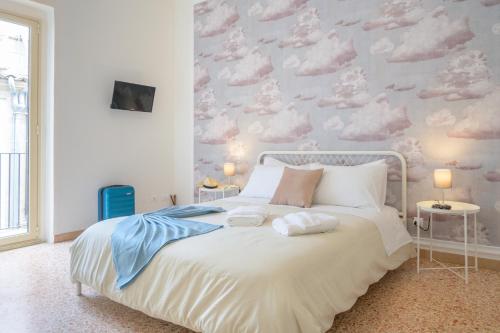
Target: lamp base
[[442, 204]]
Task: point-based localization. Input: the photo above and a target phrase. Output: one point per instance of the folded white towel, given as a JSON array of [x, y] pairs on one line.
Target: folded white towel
[[246, 216], [247, 210], [303, 223]]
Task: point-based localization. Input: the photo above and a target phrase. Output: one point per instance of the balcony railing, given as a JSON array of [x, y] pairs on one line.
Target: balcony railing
[[14, 194]]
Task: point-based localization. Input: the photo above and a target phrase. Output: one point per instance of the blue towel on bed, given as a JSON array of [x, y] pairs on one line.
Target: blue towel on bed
[[137, 239]]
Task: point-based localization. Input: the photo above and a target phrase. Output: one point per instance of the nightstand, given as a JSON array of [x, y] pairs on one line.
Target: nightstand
[[457, 208], [223, 191]]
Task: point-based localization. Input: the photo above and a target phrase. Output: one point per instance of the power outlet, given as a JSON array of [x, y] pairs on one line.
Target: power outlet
[[416, 221]]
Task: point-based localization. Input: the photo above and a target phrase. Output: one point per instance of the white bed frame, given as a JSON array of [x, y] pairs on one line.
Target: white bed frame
[[345, 158], [350, 158]]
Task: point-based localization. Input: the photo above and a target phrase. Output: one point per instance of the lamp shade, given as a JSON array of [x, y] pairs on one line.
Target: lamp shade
[[442, 178], [229, 169]]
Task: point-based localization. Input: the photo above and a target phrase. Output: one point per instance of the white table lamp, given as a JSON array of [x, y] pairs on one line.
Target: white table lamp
[[442, 180], [229, 171]]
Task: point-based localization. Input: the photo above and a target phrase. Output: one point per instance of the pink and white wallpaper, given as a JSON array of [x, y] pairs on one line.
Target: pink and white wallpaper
[[418, 76]]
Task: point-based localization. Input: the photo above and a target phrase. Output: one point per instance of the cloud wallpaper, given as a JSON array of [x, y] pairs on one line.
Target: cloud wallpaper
[[421, 77]]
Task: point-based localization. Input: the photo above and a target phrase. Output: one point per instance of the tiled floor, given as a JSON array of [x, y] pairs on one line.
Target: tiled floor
[[37, 296]]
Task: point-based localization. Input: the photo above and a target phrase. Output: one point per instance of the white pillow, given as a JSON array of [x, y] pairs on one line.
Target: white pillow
[[263, 181], [353, 186]]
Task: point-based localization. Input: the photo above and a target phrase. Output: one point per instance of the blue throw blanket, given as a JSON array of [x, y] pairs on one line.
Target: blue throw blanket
[[137, 239]]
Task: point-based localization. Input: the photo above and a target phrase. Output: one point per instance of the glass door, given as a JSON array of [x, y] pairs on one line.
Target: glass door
[[18, 129]]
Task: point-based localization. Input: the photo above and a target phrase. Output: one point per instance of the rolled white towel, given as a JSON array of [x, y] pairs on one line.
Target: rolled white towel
[[246, 216], [304, 223]]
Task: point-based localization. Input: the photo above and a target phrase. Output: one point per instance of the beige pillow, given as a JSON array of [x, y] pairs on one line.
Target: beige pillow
[[296, 187]]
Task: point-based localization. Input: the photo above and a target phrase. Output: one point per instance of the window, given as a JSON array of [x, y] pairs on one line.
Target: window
[[19, 137]]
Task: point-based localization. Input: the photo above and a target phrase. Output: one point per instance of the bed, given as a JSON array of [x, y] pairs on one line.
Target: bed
[[253, 279]]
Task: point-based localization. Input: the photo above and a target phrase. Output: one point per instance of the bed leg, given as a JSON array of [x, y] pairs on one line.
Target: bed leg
[[78, 288]]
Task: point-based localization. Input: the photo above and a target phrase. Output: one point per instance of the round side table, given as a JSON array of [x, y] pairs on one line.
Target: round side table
[[224, 190], [457, 208]]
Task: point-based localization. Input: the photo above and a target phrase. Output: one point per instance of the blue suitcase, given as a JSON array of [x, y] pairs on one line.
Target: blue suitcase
[[115, 201]]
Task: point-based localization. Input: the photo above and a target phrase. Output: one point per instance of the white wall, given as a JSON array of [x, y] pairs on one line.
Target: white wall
[[183, 150], [98, 42]]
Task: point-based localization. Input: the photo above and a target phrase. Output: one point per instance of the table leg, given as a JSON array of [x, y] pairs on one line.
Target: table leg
[[199, 195], [418, 240], [465, 250], [78, 288], [430, 245], [476, 266]]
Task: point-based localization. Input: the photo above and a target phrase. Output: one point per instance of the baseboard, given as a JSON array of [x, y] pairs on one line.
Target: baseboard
[[484, 251], [68, 236], [453, 252]]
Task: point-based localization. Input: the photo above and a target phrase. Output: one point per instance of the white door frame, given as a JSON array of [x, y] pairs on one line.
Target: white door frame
[[33, 233]]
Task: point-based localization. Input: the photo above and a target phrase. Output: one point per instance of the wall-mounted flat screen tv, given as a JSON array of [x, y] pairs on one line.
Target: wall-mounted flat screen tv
[[133, 97]]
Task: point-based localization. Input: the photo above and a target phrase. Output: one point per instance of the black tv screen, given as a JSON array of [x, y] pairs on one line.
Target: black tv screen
[[133, 97]]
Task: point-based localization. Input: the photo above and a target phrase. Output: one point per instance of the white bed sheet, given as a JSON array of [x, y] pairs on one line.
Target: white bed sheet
[[246, 279], [393, 232]]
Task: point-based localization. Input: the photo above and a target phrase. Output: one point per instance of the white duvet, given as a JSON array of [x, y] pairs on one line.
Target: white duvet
[[249, 279]]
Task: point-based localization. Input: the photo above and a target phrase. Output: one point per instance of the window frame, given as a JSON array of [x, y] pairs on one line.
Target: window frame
[[33, 234]]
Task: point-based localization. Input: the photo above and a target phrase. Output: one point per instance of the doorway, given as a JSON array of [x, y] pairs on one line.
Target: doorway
[[19, 129]]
